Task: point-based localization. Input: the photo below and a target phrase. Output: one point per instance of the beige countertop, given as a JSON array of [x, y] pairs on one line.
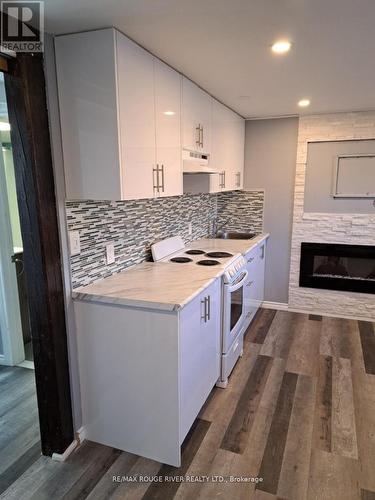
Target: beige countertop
[[160, 285]]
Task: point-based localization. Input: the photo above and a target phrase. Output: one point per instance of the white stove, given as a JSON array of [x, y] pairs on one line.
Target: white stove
[[174, 252]]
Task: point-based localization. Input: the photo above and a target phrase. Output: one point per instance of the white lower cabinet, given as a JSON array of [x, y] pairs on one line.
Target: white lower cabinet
[[145, 374], [254, 288]]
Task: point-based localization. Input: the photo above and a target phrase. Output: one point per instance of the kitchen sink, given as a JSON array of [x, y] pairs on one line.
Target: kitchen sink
[[234, 235]]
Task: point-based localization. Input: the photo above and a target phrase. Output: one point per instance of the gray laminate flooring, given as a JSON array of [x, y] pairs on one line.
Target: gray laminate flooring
[[19, 425], [299, 413]]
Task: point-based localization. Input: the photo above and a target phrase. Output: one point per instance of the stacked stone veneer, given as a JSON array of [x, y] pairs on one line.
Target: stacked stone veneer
[[329, 228]]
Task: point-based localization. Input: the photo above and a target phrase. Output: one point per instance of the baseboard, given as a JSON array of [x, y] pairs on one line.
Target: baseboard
[[81, 434], [61, 457], [280, 306], [27, 364]]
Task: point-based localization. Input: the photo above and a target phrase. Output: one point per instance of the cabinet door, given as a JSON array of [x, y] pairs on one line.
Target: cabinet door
[[168, 129], [135, 81], [86, 76], [196, 117], [227, 155], [200, 335]]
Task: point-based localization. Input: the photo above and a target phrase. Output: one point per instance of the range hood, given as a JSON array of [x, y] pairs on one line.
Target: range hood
[[196, 163]]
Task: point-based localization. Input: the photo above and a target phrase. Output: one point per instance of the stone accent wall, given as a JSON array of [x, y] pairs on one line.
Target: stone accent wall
[[329, 228], [133, 225]]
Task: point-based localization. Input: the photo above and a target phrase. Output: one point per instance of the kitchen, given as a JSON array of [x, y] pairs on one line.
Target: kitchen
[[217, 255]]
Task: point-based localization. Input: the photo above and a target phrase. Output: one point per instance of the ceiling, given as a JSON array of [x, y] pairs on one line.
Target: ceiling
[[224, 46]]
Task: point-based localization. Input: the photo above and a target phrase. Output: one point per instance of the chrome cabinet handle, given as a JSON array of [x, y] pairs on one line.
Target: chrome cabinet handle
[[208, 308], [224, 179], [204, 315], [249, 283], [162, 178], [202, 142], [238, 175], [155, 170], [198, 131]]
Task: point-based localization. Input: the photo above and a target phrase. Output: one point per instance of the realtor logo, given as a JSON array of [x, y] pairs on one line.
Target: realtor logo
[[22, 26]]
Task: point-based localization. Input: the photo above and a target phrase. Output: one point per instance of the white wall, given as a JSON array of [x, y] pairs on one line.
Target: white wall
[[270, 158]]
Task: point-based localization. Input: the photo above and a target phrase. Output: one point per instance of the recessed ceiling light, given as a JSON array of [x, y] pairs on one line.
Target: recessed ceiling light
[[281, 47], [4, 126], [169, 113], [303, 103]]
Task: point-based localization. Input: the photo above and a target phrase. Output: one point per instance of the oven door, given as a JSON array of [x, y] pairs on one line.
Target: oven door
[[233, 310]]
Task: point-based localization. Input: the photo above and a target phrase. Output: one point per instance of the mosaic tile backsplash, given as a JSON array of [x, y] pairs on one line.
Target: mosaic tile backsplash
[[132, 226]]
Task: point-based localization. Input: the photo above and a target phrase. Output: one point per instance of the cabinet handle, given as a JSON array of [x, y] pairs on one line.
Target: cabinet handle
[[238, 175], [198, 135], [249, 283], [224, 179], [204, 315], [250, 260], [262, 252], [162, 178], [155, 171], [202, 142], [208, 308]]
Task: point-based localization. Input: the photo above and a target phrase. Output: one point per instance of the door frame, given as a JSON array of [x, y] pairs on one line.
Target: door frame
[[28, 117], [10, 317]]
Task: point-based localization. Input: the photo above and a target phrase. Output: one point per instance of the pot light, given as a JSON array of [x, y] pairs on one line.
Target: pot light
[[303, 103], [281, 47], [169, 113], [4, 126]]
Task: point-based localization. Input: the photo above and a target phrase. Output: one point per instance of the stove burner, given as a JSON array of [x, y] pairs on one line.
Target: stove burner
[[195, 252], [208, 262], [181, 260], [219, 255]]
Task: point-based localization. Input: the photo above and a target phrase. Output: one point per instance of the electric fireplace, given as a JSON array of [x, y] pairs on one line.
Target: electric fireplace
[[338, 267]]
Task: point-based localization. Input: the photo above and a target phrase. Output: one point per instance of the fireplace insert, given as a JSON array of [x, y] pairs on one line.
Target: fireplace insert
[[338, 267]]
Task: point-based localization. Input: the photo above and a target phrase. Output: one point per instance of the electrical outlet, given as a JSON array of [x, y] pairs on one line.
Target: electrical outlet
[[74, 243], [190, 228], [110, 253]]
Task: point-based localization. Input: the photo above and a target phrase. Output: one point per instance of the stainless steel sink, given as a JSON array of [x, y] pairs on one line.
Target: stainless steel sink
[[234, 235]]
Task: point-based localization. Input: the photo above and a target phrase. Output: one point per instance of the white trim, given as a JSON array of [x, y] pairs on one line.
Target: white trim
[[27, 364], [281, 306], [81, 434], [61, 457]]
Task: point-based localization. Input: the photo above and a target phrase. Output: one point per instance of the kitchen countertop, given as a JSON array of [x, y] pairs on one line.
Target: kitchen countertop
[[159, 285]]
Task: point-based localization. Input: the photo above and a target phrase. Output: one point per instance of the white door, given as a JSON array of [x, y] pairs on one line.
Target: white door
[[11, 339], [196, 117], [135, 83], [168, 129]]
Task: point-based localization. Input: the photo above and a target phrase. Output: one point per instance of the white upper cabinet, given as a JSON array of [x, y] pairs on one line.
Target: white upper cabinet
[[168, 129], [125, 117], [196, 117], [87, 86], [228, 148], [117, 143], [136, 112]]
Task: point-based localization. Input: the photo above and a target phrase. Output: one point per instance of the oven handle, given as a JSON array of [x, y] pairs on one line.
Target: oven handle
[[238, 284]]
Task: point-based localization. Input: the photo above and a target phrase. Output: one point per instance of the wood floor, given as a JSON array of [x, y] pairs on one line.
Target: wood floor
[[19, 426], [299, 413]]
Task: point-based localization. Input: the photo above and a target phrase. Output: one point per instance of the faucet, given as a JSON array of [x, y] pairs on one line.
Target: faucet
[[216, 228]]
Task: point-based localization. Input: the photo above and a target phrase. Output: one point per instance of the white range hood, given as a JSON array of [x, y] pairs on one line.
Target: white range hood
[[196, 163]]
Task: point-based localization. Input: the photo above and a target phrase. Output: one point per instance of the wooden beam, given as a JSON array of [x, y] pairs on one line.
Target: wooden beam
[[26, 98]]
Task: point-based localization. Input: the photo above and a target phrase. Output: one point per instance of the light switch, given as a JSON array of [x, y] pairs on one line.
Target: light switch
[[74, 243], [110, 253]]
